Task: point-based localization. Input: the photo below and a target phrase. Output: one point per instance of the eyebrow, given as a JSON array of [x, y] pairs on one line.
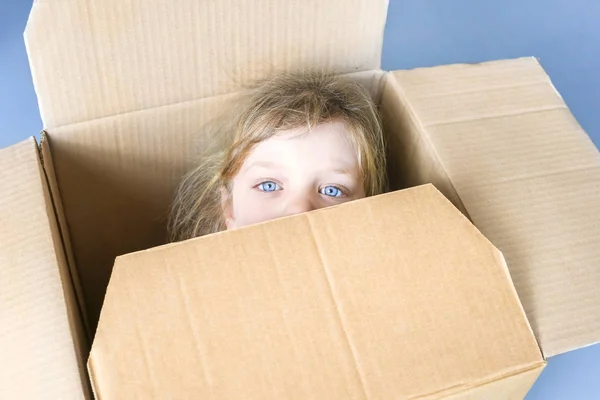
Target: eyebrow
[[264, 164], [344, 171], [270, 164]]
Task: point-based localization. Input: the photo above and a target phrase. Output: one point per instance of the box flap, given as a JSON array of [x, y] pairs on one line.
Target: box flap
[[91, 59], [42, 344], [529, 177], [394, 296]]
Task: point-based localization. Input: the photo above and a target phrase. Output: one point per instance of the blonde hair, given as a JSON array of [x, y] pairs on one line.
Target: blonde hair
[[285, 102]]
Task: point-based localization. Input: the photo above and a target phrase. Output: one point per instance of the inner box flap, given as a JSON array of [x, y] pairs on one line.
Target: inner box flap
[[529, 178], [92, 59]]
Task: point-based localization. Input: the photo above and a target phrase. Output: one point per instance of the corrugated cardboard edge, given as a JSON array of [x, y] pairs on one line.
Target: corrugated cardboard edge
[[79, 330], [90, 370], [63, 231], [509, 387], [502, 260]]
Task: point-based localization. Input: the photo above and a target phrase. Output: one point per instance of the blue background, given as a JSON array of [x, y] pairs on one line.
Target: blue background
[[563, 34]]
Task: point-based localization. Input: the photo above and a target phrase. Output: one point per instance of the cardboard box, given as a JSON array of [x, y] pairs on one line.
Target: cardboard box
[[396, 296], [123, 88]]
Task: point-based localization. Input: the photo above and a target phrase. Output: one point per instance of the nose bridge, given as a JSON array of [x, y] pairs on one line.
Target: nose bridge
[[299, 203]]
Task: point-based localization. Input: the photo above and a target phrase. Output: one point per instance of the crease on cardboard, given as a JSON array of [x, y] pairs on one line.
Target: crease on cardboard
[[526, 177], [425, 96], [80, 337], [197, 338], [375, 88], [144, 346], [110, 117], [423, 132], [63, 229], [502, 260], [471, 67], [376, 85], [464, 387], [327, 276], [495, 115]]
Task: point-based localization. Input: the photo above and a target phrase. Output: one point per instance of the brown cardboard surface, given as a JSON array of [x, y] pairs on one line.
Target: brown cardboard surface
[[529, 178], [331, 314], [118, 56], [42, 345], [118, 174]]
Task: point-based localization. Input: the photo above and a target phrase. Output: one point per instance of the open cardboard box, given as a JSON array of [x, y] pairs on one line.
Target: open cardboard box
[[395, 296]]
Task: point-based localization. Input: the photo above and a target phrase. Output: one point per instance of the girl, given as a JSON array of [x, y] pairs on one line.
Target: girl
[[298, 142]]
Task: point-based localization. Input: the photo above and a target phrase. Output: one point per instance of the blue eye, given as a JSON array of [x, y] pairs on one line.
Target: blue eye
[[268, 186], [331, 191]]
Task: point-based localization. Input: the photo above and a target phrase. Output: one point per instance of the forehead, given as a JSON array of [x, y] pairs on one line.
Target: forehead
[[327, 143]]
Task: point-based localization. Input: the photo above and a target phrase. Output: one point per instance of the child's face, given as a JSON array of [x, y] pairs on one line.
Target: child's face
[[292, 173]]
